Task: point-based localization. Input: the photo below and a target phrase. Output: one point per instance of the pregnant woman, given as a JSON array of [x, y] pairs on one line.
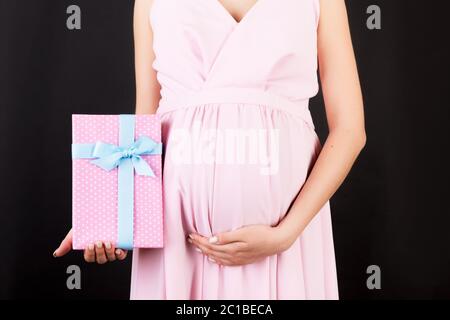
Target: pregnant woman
[[246, 181]]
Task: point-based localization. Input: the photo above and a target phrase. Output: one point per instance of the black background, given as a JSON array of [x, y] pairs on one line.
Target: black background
[[390, 212]]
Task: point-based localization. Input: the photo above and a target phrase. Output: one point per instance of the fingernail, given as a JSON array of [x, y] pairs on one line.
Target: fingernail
[[118, 252], [191, 236], [108, 245], [91, 247], [189, 240], [99, 245], [213, 240], [211, 259], [54, 254], [198, 250]]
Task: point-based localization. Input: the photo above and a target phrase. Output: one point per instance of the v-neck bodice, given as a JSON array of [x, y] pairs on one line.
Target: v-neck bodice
[[200, 47]]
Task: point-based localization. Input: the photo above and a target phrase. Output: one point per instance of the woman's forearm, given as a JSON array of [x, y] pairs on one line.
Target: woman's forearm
[[332, 166]]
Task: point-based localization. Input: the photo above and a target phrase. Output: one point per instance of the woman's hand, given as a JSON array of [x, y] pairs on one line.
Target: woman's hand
[[99, 252], [243, 246]]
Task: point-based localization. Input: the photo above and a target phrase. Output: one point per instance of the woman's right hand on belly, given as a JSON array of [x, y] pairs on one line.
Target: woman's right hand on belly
[[96, 252]]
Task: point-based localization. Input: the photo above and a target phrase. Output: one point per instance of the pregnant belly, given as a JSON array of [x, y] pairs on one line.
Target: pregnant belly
[[222, 173]]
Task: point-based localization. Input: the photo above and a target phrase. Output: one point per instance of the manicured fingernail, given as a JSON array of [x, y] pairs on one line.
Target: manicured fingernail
[[213, 240], [211, 259], [108, 245], [91, 247], [191, 236], [189, 240], [118, 252], [198, 250], [54, 254], [99, 245]]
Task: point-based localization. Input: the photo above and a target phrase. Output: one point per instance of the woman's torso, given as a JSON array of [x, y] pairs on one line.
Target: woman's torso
[[249, 80]]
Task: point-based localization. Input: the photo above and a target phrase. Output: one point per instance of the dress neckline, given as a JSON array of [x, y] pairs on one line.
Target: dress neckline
[[230, 16]]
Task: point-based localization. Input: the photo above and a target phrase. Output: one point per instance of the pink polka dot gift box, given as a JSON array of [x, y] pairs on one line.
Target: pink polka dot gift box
[[117, 181]]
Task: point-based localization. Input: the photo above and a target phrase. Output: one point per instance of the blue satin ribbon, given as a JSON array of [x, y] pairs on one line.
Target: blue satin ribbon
[[127, 158]]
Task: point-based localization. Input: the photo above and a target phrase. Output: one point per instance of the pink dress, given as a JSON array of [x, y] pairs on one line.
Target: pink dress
[[239, 143]]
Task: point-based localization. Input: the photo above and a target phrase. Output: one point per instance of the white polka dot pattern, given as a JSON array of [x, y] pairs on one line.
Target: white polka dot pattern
[[94, 190]]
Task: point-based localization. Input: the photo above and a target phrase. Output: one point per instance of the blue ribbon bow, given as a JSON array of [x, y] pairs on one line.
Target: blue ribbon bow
[[110, 156]]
